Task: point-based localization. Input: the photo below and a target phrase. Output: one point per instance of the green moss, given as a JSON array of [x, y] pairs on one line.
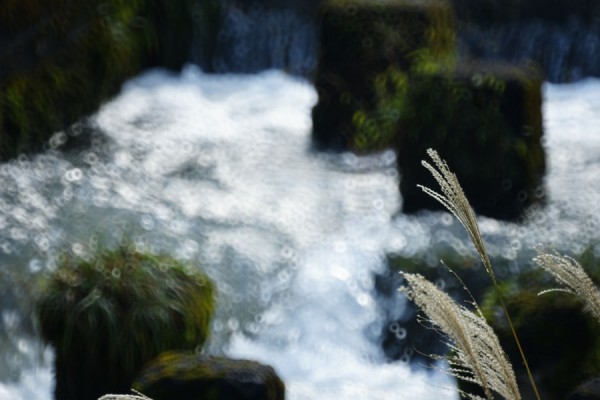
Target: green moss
[[108, 316], [67, 59]]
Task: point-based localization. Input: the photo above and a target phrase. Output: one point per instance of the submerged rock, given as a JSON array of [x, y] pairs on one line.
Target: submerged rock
[[184, 376]]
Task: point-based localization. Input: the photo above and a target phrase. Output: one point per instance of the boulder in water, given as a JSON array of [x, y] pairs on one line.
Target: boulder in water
[[485, 120], [183, 376]]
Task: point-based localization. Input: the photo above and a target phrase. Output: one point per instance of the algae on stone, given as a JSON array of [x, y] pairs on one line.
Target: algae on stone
[[485, 120]]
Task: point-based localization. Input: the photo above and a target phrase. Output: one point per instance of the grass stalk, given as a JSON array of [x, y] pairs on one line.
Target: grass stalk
[[452, 197], [477, 356]]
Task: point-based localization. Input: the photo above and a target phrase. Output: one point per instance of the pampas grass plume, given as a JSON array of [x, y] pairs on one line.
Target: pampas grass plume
[[572, 278], [453, 198], [477, 355], [137, 396]]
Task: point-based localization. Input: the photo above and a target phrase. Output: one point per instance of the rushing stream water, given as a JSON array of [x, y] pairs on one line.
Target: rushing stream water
[[218, 169]]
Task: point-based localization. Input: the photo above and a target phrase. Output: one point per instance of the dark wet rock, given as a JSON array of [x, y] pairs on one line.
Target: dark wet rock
[[485, 120], [184, 376], [387, 77]]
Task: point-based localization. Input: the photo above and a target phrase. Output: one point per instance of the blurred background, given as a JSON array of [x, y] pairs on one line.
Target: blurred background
[[276, 146]]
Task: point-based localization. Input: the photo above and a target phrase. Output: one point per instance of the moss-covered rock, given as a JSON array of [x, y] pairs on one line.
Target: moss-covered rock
[[561, 341], [59, 60], [185, 376], [485, 120], [387, 77], [360, 39], [108, 316]]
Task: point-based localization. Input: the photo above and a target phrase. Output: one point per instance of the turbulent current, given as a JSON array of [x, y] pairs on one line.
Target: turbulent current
[[219, 170]]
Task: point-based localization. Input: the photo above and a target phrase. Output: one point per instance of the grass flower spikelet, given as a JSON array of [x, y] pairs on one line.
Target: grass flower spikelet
[[478, 357], [453, 198], [573, 279]]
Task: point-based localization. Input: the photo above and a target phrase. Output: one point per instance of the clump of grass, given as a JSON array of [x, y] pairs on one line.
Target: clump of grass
[[109, 315], [463, 327], [477, 355], [572, 278]]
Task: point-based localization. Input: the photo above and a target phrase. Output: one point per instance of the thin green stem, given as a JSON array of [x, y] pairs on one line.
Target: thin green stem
[[518, 342], [488, 266]]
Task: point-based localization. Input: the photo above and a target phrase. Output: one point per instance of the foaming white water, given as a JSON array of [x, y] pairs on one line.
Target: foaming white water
[[33, 384], [572, 118], [218, 170], [324, 340]]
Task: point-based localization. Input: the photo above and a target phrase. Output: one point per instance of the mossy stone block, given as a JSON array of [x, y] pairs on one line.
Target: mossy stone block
[[109, 315], [360, 39], [485, 120], [188, 376]]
